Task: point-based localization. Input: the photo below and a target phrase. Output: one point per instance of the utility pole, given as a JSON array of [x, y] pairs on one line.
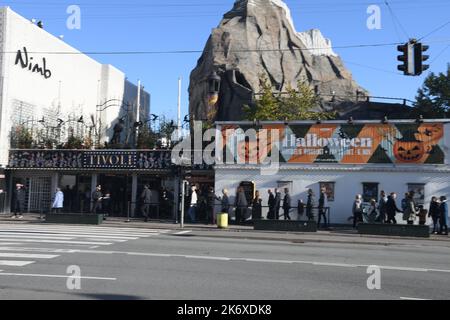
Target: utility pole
[[138, 112], [179, 111]]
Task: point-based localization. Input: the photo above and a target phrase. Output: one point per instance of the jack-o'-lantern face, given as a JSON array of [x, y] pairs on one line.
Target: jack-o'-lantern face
[[409, 151]]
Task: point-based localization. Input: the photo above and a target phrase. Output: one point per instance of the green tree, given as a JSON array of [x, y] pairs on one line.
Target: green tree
[[433, 99], [297, 104]]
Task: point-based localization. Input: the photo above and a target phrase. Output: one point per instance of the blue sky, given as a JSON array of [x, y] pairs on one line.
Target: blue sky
[[166, 25]]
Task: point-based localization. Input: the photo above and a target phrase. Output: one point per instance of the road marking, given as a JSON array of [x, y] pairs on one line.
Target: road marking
[[54, 276], [65, 242], [11, 263], [85, 229], [27, 255], [66, 234], [327, 264], [183, 232], [19, 236], [50, 250], [414, 299]]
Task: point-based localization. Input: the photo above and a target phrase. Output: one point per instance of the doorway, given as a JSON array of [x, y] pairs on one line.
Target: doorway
[[119, 188]]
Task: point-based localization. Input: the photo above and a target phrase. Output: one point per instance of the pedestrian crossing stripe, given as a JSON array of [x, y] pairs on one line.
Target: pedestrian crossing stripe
[[14, 263], [28, 255]]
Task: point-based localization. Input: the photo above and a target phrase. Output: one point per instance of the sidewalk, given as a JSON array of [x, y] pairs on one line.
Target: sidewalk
[[341, 235]]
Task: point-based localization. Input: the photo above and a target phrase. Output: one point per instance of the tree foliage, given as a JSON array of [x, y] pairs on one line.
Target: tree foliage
[[297, 104], [433, 99]]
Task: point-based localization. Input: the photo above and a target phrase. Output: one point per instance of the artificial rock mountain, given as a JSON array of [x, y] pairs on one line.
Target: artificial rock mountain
[[258, 37]]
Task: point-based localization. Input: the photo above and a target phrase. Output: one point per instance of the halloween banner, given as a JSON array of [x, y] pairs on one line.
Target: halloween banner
[[340, 143]]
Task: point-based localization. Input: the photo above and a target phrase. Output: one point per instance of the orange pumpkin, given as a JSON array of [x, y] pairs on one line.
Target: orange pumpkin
[[409, 151]]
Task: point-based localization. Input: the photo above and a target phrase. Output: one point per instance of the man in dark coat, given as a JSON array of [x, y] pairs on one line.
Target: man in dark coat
[[146, 199], [97, 197], [271, 204], [391, 209], [286, 204], [210, 205], [18, 201], [322, 206], [277, 204], [241, 206], [310, 205]]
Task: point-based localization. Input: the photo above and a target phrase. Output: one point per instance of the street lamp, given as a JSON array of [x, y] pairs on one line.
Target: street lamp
[[214, 81]]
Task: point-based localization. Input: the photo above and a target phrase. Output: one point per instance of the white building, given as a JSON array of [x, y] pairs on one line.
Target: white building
[[43, 78], [347, 158]]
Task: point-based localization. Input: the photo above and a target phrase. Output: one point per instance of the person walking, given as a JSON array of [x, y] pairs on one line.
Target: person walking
[[323, 203], [257, 207], [271, 204], [97, 198], [382, 207], [18, 201], [210, 205], [434, 213], [373, 212], [286, 204], [310, 203], [357, 210], [404, 204], [409, 214], [58, 201], [193, 204], [300, 209], [146, 200], [277, 204], [241, 205], [443, 220], [391, 208], [224, 202]]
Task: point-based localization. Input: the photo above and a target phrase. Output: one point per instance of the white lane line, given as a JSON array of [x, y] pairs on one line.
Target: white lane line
[[19, 236], [13, 263], [183, 232], [65, 234], [82, 229], [61, 241], [47, 250], [54, 276], [27, 256], [327, 264], [414, 299]]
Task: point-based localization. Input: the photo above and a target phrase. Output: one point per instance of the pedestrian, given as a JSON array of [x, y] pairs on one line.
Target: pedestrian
[[225, 202], [310, 203], [286, 204], [210, 205], [409, 214], [405, 201], [58, 201], [271, 204], [257, 207], [323, 204], [241, 206], [193, 204], [357, 210], [443, 220], [373, 212], [277, 204], [391, 208], [382, 208], [106, 204], [300, 209], [434, 213], [18, 201], [146, 200], [422, 215], [97, 198]]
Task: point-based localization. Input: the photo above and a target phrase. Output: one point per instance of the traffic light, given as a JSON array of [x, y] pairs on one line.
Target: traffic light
[[407, 57], [419, 58]]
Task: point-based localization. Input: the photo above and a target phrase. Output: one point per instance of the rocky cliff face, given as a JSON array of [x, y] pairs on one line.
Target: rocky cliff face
[[257, 37]]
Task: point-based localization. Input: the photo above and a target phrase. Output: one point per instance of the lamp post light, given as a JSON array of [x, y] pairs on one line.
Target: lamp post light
[[214, 82]]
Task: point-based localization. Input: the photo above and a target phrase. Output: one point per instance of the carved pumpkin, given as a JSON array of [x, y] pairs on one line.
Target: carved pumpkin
[[409, 151]]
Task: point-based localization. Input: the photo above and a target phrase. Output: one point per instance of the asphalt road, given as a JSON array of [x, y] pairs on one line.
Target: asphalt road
[[125, 263]]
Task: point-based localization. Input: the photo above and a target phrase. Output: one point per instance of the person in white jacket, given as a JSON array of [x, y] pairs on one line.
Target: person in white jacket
[[58, 201]]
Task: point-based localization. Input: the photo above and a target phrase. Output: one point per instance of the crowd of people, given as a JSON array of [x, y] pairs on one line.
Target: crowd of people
[[386, 209]]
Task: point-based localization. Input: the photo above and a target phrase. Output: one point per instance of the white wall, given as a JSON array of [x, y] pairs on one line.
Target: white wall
[[348, 185], [78, 83]]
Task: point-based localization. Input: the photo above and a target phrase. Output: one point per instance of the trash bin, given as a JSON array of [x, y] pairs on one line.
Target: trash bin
[[222, 220]]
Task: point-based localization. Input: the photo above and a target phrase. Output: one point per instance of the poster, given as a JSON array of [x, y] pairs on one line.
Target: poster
[[370, 191], [419, 192], [329, 189]]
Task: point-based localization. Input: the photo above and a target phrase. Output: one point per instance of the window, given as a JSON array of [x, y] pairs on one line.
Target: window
[[370, 191], [419, 192], [329, 187]]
